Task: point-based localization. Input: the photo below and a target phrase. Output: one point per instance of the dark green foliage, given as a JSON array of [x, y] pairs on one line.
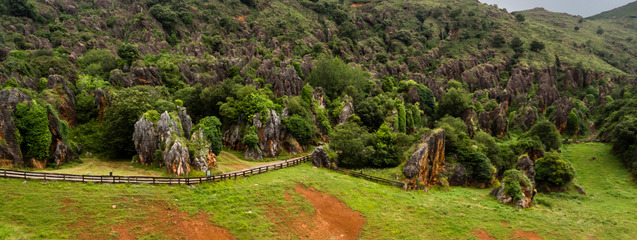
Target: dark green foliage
[[171, 77], [572, 125], [404, 36], [250, 3], [353, 144], [128, 52], [33, 124], [547, 134], [119, 120], [402, 116], [370, 113], [211, 127], [520, 17], [536, 46], [306, 94], [477, 164], [600, 31], [454, 102], [624, 140], [498, 41], [233, 71], [455, 132], [166, 16], [513, 181], [333, 75], [152, 115], [427, 100], [348, 30], [214, 42], [517, 45], [85, 107], [191, 98], [22, 8], [553, 171], [300, 129], [387, 154], [251, 140], [102, 60]]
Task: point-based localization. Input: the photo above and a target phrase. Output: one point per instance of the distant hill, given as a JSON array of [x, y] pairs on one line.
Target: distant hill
[[628, 10]]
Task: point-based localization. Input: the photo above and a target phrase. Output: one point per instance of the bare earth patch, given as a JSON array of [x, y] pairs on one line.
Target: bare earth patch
[[482, 234], [519, 234], [332, 219], [505, 224]]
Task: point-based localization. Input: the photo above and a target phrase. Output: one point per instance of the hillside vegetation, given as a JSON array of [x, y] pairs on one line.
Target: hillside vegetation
[[628, 10]]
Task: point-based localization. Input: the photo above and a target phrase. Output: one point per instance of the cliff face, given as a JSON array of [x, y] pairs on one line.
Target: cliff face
[[423, 166], [10, 155]]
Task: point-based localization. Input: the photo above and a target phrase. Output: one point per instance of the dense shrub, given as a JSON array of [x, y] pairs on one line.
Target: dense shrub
[[211, 127], [386, 151], [498, 41], [333, 75], [120, 117], [353, 144], [370, 113], [427, 100], [454, 102], [251, 140], [517, 45], [33, 124], [402, 116], [128, 52], [85, 107], [455, 132], [553, 171], [536, 46], [102, 60], [152, 115], [547, 134], [300, 129], [513, 181]]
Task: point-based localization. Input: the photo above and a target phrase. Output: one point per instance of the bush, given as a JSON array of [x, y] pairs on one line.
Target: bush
[[553, 171], [513, 181], [152, 115], [427, 100], [353, 144], [520, 17], [333, 75], [370, 113], [251, 140], [119, 120], [536, 46], [517, 45], [454, 102], [386, 152], [85, 108], [128, 52], [104, 59], [498, 41], [33, 125], [300, 129], [402, 116], [211, 127], [547, 134]]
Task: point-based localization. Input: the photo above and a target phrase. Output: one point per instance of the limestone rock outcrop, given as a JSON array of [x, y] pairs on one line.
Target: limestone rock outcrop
[[146, 142], [269, 133], [10, 155], [527, 166], [458, 177], [348, 110], [186, 121], [203, 158], [495, 121], [177, 158], [320, 158], [528, 193], [423, 166], [60, 151], [66, 107]]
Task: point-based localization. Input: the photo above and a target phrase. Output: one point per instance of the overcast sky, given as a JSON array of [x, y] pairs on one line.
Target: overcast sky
[[584, 8]]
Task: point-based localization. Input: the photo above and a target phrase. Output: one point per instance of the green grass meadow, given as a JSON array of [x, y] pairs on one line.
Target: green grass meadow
[[36, 210]]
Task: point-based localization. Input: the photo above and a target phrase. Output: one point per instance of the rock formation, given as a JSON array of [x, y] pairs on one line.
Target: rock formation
[[320, 158], [60, 152], [458, 177], [10, 155], [269, 133], [186, 121], [66, 107], [495, 121], [348, 110], [203, 158], [177, 158], [146, 142], [528, 193], [526, 165], [423, 166]]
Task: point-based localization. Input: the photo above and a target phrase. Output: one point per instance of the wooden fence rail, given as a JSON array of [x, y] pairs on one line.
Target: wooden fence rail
[[152, 180], [371, 178]]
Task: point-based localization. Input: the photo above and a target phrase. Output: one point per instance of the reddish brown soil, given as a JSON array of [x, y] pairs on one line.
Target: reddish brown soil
[[240, 18], [332, 219], [157, 218], [519, 234], [239, 166], [505, 224], [14, 194], [482, 234]]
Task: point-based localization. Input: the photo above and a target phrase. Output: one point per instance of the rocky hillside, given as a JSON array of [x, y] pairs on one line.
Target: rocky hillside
[[626, 11], [279, 76]]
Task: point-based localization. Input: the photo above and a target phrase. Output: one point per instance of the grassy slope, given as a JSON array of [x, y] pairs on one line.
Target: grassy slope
[[623, 11], [33, 210]]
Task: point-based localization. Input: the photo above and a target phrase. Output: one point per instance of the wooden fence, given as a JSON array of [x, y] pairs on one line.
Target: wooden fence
[[151, 180], [371, 178]]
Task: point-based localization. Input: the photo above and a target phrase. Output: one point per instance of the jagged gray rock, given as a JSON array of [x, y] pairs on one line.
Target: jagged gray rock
[[165, 125], [320, 158], [10, 155], [177, 158], [186, 121], [348, 110], [526, 165], [146, 141], [459, 176], [203, 158], [60, 152], [254, 154], [423, 166], [269, 134]]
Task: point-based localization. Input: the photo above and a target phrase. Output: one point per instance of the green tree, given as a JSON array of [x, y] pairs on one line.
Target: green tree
[[454, 102], [427, 100], [251, 140], [333, 75], [536, 46], [128, 52], [211, 127], [387, 154], [85, 107], [517, 45], [300, 129], [353, 144], [553, 171], [119, 120], [33, 124], [547, 134], [402, 116], [520, 17], [370, 113], [572, 125], [103, 59], [513, 181], [498, 41]]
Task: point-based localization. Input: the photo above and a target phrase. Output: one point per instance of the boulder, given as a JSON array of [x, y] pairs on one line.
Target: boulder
[[145, 140], [528, 193], [177, 158], [320, 158], [348, 110], [423, 166], [253, 153], [459, 176], [495, 121], [291, 145], [166, 125], [269, 133], [526, 165], [470, 119]]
